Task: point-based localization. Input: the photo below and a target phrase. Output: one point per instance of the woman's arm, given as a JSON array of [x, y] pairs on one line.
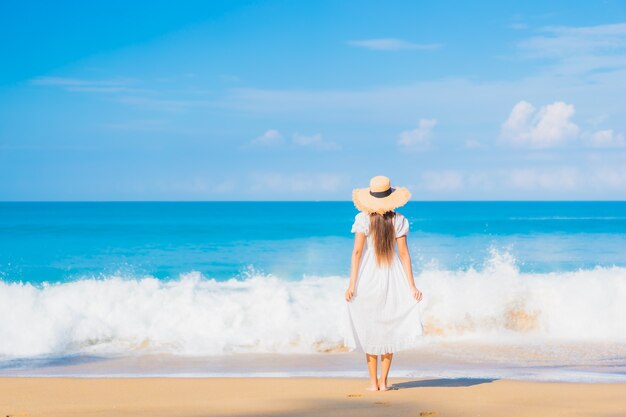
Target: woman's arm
[[405, 258], [359, 241]]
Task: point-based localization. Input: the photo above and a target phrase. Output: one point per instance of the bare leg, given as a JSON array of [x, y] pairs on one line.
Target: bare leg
[[385, 364], [372, 363]]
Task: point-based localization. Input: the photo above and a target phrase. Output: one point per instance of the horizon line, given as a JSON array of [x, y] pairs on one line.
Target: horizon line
[[313, 201]]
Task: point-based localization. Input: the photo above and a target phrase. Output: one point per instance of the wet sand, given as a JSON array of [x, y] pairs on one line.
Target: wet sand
[[68, 397]]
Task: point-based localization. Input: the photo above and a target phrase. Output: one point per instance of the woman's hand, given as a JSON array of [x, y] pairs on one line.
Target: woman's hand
[[349, 293], [417, 294]]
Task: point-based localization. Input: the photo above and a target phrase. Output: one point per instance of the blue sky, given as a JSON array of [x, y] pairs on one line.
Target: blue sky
[[305, 100]]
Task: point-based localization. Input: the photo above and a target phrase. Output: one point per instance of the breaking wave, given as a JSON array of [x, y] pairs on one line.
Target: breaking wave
[[196, 315]]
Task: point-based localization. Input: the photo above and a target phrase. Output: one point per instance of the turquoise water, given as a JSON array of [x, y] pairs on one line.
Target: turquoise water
[[60, 242]]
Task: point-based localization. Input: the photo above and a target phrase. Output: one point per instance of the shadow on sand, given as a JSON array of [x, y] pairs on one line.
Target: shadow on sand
[[442, 382]]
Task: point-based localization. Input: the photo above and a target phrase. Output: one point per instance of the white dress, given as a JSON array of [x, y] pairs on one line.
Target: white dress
[[383, 316]]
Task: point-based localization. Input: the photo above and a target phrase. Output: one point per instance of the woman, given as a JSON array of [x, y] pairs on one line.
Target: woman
[[382, 297]]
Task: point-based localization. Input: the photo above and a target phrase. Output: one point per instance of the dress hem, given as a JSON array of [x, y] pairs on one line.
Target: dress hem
[[389, 348]]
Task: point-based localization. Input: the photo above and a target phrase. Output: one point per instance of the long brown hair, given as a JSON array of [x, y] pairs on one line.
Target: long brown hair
[[383, 236]]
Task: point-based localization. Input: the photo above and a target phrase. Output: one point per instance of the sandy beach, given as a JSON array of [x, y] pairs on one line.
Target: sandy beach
[[304, 397]]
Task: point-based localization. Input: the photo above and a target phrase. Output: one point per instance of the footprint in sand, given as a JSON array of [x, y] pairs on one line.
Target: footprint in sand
[[428, 413], [354, 395]]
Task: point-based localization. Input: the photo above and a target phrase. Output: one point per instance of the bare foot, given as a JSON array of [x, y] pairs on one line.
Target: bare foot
[[382, 386], [372, 388]]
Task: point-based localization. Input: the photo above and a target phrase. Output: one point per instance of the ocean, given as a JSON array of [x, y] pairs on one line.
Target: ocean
[[530, 290]]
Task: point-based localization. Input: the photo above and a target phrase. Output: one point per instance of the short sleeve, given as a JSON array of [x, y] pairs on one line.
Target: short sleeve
[[361, 223], [402, 225]]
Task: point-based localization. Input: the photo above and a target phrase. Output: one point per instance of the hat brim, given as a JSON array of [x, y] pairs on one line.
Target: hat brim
[[366, 202]]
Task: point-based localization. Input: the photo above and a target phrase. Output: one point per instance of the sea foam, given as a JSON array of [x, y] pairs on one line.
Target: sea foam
[[196, 315]]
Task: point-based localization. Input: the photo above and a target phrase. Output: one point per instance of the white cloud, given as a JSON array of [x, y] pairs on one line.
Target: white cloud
[[526, 182], [140, 125], [473, 144], [579, 50], [550, 126], [419, 138], [86, 86], [67, 81], [271, 137], [299, 183], [391, 44], [229, 78], [604, 139], [518, 26], [567, 41], [190, 188], [545, 179], [577, 182], [441, 181], [471, 103], [165, 105], [609, 177], [315, 141], [589, 181]]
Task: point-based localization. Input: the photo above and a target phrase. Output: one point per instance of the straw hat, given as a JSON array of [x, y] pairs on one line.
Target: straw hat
[[380, 197]]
